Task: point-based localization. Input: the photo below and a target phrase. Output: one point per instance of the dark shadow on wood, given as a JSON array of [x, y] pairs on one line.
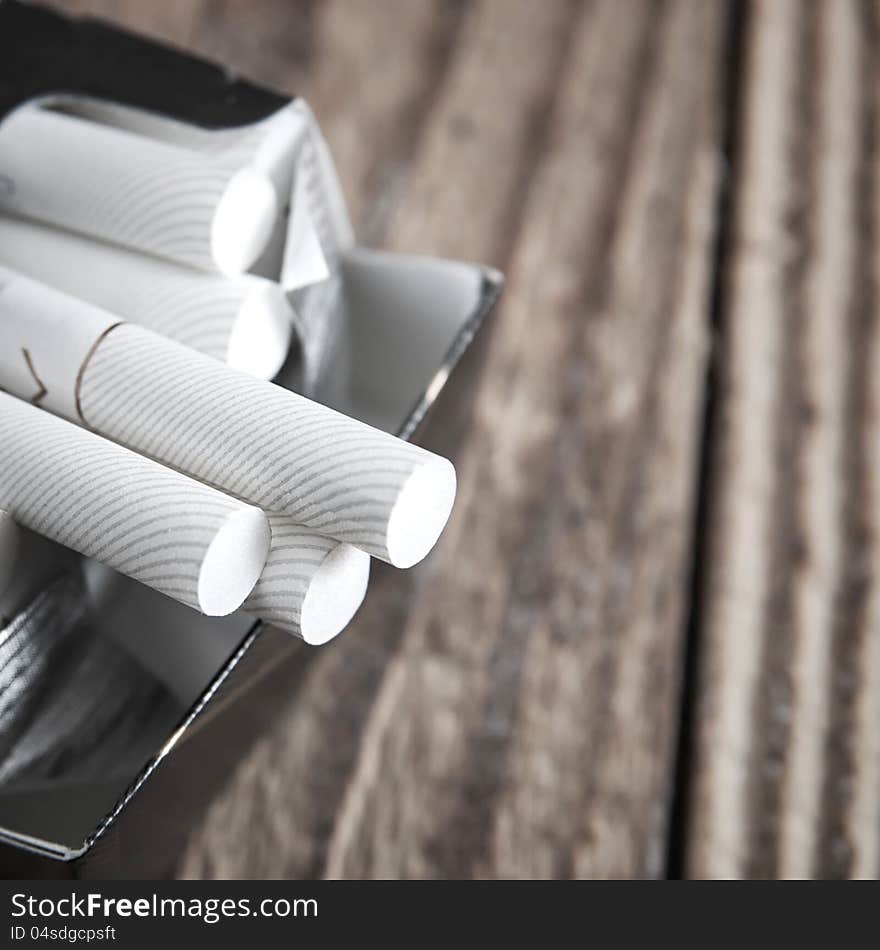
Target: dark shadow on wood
[[730, 108]]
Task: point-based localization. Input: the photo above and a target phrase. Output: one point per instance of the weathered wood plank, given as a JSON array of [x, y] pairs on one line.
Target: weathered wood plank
[[376, 72], [271, 41], [510, 707], [166, 20], [525, 726], [284, 798], [786, 752]]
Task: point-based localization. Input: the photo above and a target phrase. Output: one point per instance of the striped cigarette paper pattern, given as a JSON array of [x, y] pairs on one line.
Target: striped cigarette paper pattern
[[132, 190], [311, 586], [244, 321], [184, 539], [275, 448], [274, 146], [269, 144]]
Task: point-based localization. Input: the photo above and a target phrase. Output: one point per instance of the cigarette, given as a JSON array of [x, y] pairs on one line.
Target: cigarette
[[179, 537], [281, 146], [286, 147], [244, 321], [253, 439], [311, 586], [130, 189], [270, 145]]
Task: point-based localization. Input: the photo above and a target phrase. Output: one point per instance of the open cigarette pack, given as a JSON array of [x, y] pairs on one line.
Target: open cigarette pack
[[208, 392]]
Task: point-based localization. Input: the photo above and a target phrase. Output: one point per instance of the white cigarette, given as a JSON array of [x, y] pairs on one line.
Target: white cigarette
[[281, 147], [270, 446], [270, 144], [311, 586], [184, 539], [130, 189], [285, 147], [244, 321], [251, 438]]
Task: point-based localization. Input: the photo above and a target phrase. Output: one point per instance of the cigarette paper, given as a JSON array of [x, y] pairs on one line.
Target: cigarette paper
[[321, 305], [184, 539], [278, 450], [130, 189], [244, 321], [270, 145], [273, 146], [249, 437], [304, 262], [311, 585]]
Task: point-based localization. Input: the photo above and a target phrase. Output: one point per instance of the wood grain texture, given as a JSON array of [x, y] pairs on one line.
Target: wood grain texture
[[520, 729], [512, 706], [355, 665], [786, 753], [556, 130], [371, 87], [165, 20]]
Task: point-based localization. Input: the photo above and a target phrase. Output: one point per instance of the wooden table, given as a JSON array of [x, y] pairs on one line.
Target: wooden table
[[649, 642]]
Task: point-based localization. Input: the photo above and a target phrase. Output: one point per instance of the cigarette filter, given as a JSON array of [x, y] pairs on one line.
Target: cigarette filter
[[244, 321], [251, 438], [311, 585], [184, 539], [280, 146], [270, 145], [278, 450], [129, 189]]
